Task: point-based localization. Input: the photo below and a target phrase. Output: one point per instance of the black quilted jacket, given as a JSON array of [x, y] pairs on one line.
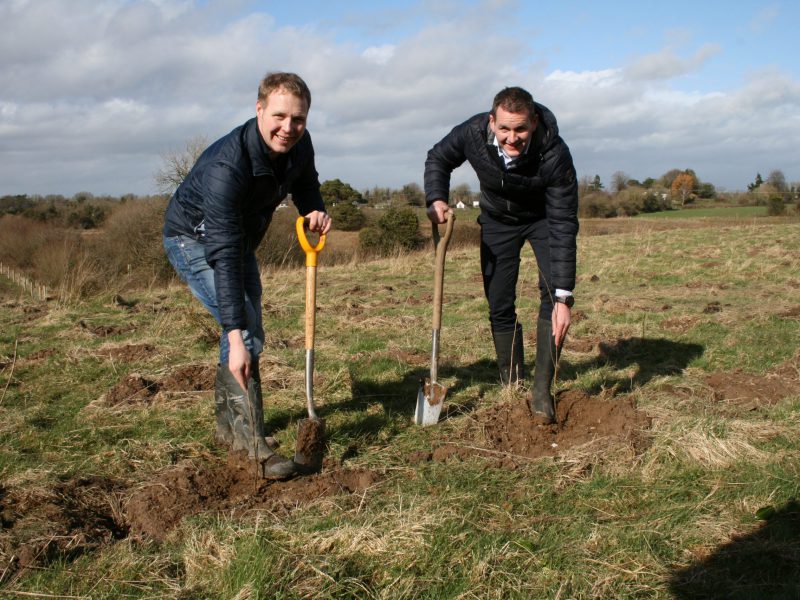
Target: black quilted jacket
[[227, 201], [542, 184]]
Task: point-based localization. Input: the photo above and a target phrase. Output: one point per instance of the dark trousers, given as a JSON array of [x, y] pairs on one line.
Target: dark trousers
[[500, 258]]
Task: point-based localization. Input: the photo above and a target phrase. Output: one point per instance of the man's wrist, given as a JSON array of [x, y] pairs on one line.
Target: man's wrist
[[235, 337], [565, 297]]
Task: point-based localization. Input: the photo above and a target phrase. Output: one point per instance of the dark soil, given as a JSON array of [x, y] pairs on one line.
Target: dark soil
[[190, 378], [748, 391], [105, 330], [127, 352], [310, 448], [791, 313], [131, 389], [83, 514], [583, 345], [507, 431], [188, 489], [61, 523], [137, 389]]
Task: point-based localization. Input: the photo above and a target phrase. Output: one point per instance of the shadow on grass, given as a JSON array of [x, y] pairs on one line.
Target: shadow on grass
[[398, 398], [762, 564], [652, 357]]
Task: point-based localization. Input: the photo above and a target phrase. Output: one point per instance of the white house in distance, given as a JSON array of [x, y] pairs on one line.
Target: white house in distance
[[460, 204]]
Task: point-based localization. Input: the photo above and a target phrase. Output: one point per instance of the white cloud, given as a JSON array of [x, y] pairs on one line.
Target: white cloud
[[764, 18], [92, 93], [380, 55], [666, 64]]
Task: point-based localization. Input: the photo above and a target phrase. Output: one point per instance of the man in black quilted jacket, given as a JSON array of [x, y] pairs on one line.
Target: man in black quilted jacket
[[528, 192], [214, 222]]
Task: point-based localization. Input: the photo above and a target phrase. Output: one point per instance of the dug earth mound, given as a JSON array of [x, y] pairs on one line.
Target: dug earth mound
[[187, 489], [506, 431], [74, 517]]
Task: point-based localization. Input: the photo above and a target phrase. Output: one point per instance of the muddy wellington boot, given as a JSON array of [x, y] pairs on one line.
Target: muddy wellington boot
[[223, 435], [541, 400], [510, 355], [248, 429]]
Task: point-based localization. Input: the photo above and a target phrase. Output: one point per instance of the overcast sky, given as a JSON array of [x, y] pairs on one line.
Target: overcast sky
[[93, 93]]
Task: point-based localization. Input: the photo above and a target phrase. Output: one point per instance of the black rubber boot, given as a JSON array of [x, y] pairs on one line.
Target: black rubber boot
[[510, 355], [248, 428], [223, 435], [541, 400]]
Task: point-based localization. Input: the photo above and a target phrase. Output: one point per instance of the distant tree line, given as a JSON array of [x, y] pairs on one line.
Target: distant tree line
[[678, 188], [44, 238]]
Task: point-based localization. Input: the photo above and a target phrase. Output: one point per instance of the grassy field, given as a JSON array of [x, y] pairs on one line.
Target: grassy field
[[710, 212], [685, 342]]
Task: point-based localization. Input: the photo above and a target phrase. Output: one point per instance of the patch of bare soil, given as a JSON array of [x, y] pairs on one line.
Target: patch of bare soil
[[749, 392], [712, 307], [61, 523], [137, 389], [38, 527], [188, 489], [40, 354], [29, 312], [189, 378], [679, 324], [791, 313], [415, 358], [131, 389], [127, 352], [790, 370], [510, 432], [105, 330], [583, 345]]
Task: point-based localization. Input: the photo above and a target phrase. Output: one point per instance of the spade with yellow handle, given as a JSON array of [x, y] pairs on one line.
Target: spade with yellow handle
[[310, 446]]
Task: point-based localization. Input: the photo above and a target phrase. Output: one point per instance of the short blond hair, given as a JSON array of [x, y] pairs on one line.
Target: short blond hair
[[289, 82]]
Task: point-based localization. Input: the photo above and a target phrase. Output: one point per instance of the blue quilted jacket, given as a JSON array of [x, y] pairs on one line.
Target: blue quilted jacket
[[227, 202]]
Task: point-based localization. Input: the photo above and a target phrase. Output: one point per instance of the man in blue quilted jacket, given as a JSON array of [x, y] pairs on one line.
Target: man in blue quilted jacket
[[214, 222], [528, 192]]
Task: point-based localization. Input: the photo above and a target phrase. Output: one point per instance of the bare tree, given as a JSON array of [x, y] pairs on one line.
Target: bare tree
[[619, 181], [585, 185], [178, 163], [777, 180]]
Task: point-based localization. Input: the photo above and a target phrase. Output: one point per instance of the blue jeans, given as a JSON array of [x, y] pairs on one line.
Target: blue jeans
[[187, 256]]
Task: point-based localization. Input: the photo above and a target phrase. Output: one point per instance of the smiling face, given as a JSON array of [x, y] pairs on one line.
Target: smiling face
[[512, 130], [281, 120]]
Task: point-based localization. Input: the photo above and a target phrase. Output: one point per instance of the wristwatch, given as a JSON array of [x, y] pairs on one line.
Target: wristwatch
[[568, 300]]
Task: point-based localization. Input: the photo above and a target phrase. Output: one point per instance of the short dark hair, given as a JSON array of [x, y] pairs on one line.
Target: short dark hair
[[514, 100], [289, 82]]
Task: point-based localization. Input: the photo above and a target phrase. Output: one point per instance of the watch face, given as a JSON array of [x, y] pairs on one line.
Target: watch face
[[568, 300]]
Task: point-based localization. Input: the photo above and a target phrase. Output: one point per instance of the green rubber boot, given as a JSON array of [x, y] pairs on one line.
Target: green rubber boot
[[248, 428], [541, 400], [223, 435], [510, 355]]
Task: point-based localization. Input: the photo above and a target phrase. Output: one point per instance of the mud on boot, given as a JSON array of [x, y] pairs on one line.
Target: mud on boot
[[248, 429], [541, 400], [223, 435]]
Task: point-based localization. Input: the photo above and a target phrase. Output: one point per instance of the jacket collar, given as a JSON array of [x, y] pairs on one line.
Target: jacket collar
[[258, 151]]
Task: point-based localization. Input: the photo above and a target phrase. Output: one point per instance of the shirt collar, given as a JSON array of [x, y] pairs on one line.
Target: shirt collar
[[510, 161]]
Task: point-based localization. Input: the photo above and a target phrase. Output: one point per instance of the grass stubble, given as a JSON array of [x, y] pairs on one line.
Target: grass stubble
[[597, 520]]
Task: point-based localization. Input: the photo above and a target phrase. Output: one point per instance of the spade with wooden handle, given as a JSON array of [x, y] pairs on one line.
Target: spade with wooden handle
[[431, 394]]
